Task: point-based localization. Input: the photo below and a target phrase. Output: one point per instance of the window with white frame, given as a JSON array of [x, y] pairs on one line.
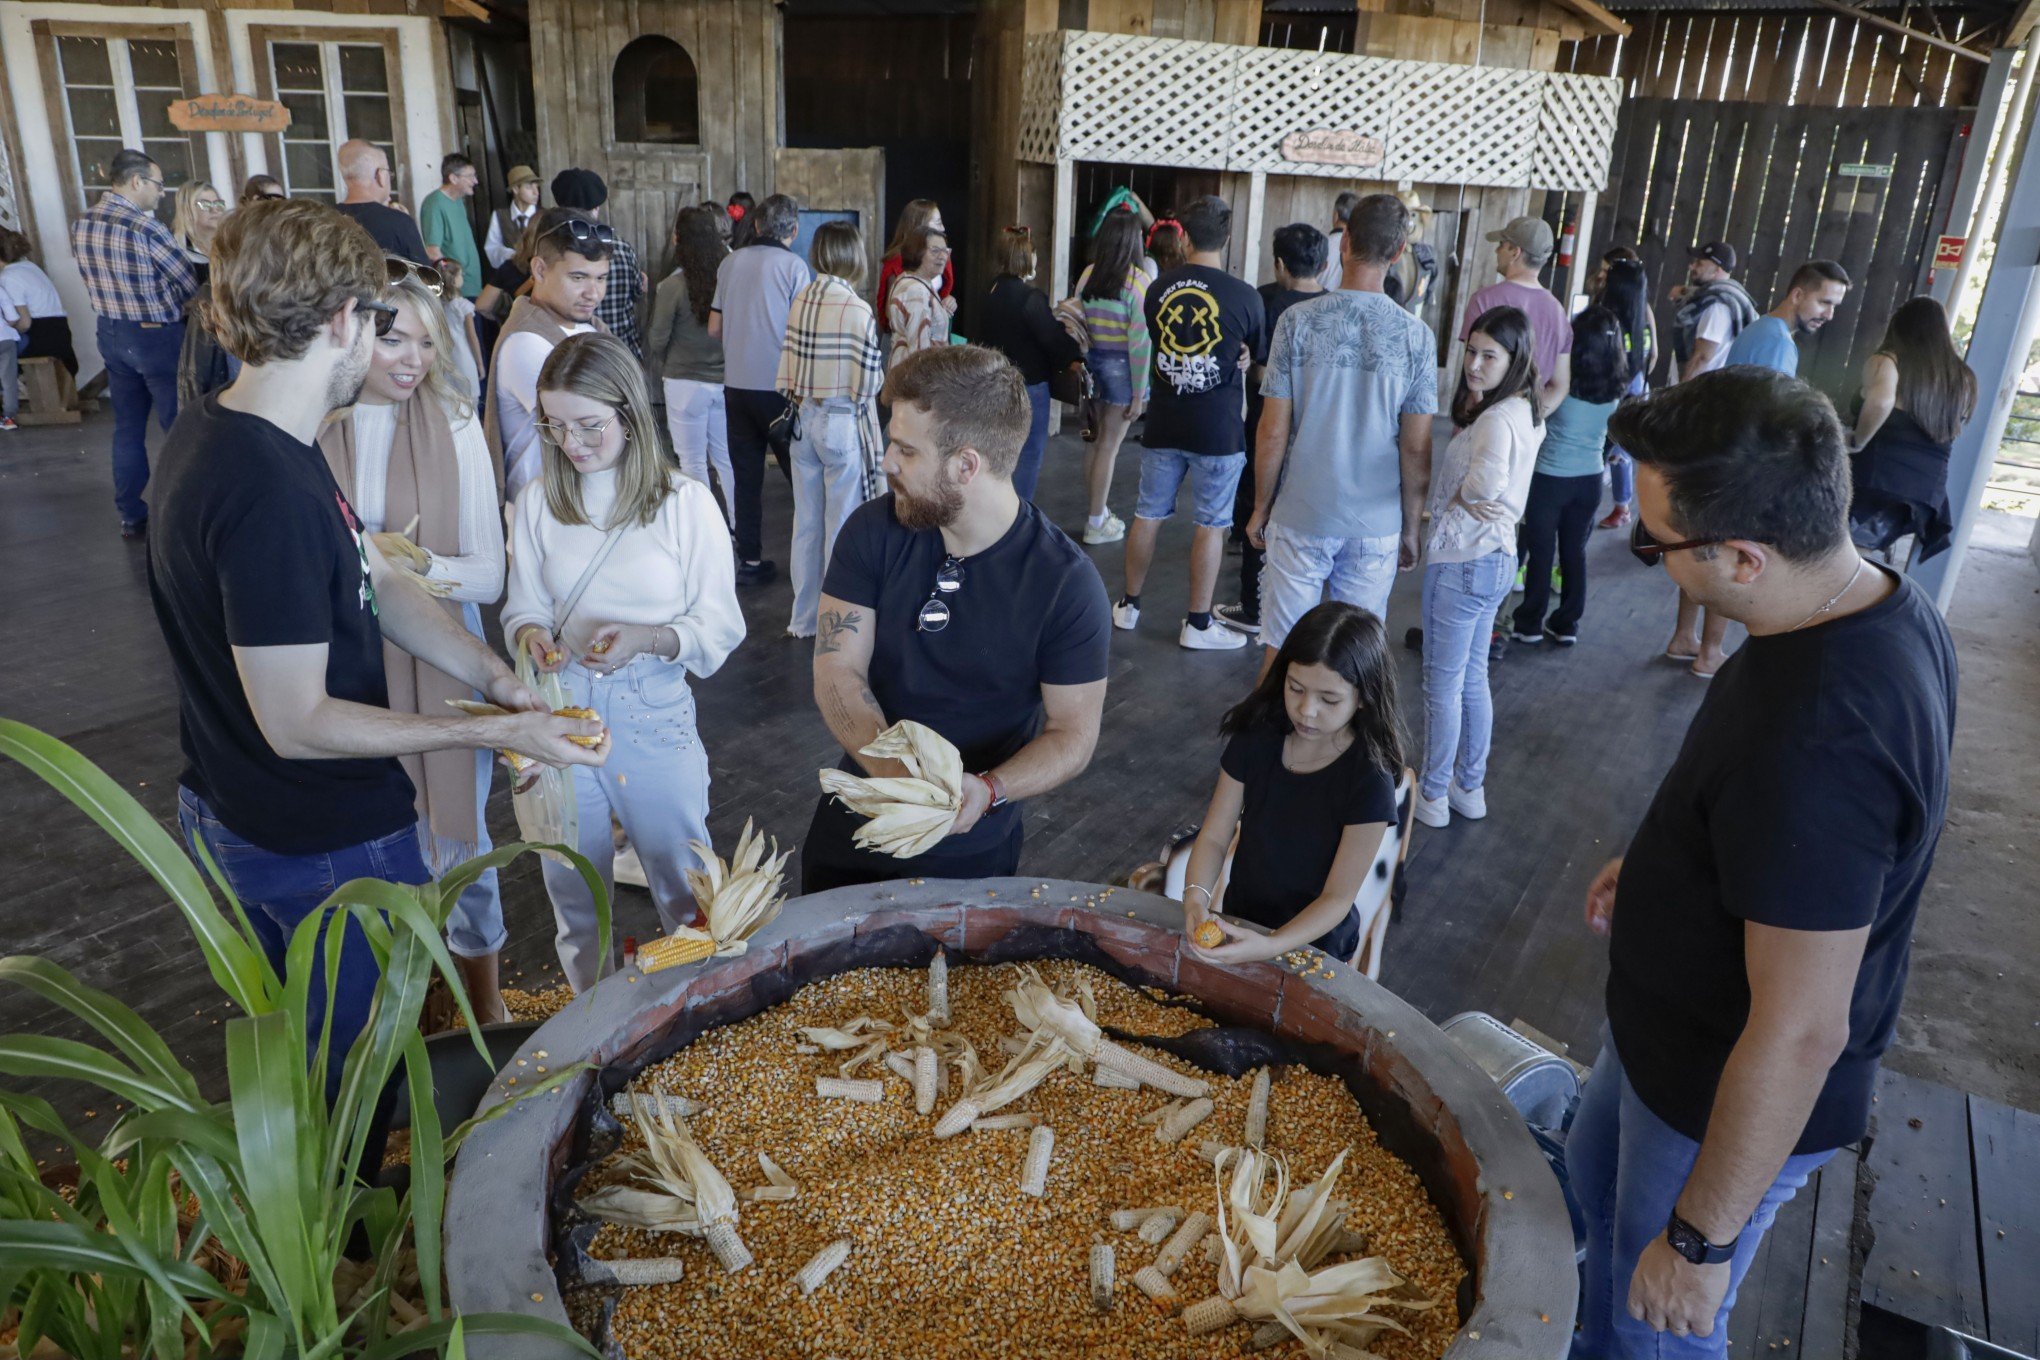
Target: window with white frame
[[336, 92], [117, 92]]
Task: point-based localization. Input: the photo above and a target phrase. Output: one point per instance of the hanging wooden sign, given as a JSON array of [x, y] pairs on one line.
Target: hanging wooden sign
[[228, 113], [1329, 146]]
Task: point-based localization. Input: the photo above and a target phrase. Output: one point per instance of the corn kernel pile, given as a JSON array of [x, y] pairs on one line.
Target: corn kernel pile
[[948, 1258]]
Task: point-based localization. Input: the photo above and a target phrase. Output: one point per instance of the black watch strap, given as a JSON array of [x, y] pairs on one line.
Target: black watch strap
[[1693, 1245]]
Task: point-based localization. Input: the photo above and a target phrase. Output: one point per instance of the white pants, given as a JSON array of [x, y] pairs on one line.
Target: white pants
[[828, 483], [655, 782], [694, 417]]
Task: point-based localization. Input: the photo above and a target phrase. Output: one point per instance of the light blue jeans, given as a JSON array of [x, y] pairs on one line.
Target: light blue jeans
[[1460, 600], [1626, 1169], [828, 483], [474, 928], [656, 782], [1621, 467], [1304, 570]]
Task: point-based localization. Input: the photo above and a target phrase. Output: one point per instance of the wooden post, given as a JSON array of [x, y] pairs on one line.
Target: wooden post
[[1059, 247], [1257, 199], [1969, 184], [2006, 319], [2001, 156]]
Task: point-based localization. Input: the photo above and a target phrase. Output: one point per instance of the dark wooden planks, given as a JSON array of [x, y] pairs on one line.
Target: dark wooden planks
[[1826, 1324], [2004, 1145], [1923, 1264]]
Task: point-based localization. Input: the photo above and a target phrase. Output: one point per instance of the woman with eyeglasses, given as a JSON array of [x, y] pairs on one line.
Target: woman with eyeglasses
[[621, 582], [1480, 484], [920, 214], [200, 210], [1018, 322], [410, 456], [915, 315]]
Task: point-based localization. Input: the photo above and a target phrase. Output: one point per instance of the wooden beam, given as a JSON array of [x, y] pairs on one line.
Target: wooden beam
[[1607, 23], [465, 7], [1893, 26], [2023, 21]]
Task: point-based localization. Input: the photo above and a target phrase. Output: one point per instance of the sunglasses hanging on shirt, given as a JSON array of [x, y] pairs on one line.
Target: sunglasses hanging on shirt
[[934, 616]]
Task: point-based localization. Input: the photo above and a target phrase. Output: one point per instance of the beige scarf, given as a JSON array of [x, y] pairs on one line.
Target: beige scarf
[[525, 316], [423, 480]]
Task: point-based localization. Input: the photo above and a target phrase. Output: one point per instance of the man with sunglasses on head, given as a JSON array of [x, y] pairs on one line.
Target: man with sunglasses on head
[[570, 267], [956, 604], [1762, 918], [274, 605]]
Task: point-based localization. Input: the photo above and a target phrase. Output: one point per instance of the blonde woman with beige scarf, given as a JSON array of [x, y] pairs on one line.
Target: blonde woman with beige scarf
[[412, 459]]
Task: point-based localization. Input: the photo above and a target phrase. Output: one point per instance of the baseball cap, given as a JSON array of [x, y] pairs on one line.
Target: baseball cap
[[578, 188], [1531, 235], [1721, 252], [522, 174]]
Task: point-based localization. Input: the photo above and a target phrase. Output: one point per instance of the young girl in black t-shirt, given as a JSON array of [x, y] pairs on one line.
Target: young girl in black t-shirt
[[1308, 780]]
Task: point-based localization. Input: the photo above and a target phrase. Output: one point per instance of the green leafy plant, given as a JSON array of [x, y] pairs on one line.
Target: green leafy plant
[[266, 1179]]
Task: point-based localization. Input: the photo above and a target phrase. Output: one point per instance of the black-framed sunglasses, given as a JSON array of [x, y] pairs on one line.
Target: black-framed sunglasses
[[934, 616], [1650, 552], [385, 315], [581, 231], [397, 268]]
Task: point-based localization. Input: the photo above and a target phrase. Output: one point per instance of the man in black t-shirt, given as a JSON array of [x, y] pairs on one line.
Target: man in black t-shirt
[[365, 170], [1205, 326], [274, 605], [1762, 919], [956, 604]]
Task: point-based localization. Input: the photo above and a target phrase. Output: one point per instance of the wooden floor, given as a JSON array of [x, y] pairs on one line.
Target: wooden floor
[[1492, 917]]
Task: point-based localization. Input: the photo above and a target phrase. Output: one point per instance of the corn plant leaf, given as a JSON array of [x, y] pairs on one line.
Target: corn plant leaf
[[151, 1252], [43, 1055], [434, 1335], [265, 1071], [235, 964], [85, 1251], [207, 1178], [372, 1060], [211, 1131], [267, 1339], [456, 1341], [428, 1170], [110, 1019]]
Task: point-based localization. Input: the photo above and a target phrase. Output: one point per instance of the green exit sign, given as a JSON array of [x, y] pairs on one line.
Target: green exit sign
[[1864, 172]]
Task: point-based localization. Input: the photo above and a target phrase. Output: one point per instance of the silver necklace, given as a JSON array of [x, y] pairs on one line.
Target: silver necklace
[[1835, 600]]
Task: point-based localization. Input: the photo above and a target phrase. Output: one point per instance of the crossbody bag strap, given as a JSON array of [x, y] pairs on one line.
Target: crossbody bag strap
[[587, 579]]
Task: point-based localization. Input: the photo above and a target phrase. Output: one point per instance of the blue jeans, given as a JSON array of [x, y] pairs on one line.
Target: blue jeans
[[141, 373], [1112, 372], [828, 484], [278, 891], [1027, 472], [1626, 1169], [1213, 478], [1621, 467], [1460, 599]]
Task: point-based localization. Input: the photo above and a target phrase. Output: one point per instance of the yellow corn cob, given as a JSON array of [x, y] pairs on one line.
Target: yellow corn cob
[[869, 1090], [1040, 1147], [822, 1264], [585, 713], [1210, 1315], [660, 1270], [1186, 1239], [1257, 1110], [1209, 935], [1101, 1277], [671, 951], [1175, 1125]]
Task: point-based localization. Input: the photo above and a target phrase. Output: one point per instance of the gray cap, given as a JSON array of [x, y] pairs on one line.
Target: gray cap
[[1531, 235]]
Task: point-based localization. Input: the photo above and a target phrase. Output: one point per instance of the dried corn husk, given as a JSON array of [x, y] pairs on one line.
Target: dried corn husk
[[984, 1095], [684, 1192], [737, 896], [865, 1039], [1331, 1308], [778, 1185], [1249, 1204], [907, 815], [1040, 1010]]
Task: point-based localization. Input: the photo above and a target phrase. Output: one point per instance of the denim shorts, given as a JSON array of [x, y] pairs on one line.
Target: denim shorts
[[1113, 371], [1214, 478]]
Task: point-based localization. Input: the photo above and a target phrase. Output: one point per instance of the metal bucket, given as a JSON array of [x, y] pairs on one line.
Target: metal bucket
[[1540, 1084]]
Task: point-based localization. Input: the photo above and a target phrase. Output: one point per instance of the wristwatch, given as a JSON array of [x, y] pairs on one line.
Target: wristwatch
[[1693, 1245], [998, 794]]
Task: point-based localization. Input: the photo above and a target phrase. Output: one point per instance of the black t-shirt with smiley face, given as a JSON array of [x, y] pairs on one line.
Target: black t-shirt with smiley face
[[1199, 320]]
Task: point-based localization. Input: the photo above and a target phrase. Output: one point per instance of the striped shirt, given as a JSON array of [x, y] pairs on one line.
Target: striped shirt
[[1119, 325], [832, 351], [133, 270]]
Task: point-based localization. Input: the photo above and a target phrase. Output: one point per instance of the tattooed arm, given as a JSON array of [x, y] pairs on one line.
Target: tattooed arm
[[843, 643]]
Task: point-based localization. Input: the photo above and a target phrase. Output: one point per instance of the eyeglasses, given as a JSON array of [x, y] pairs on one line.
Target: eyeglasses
[[1650, 552], [210, 204], [157, 182], [581, 231], [934, 616], [398, 269], [586, 436], [385, 315]]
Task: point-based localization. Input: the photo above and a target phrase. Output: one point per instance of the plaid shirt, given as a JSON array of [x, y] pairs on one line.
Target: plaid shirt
[[133, 269], [619, 307], [832, 351]]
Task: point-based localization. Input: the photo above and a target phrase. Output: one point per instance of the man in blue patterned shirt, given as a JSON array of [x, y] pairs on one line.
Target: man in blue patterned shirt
[[138, 280]]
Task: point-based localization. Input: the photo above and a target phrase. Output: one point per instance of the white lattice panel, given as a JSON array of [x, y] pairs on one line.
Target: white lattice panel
[[1216, 106], [1575, 132]]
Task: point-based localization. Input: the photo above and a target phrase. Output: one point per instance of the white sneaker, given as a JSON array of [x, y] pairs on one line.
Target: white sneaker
[[1468, 803], [1111, 531], [1210, 639], [1434, 811], [629, 870], [1126, 616]]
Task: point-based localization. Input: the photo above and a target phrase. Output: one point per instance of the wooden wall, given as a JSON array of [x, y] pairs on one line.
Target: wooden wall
[[735, 45], [1226, 21], [835, 179]]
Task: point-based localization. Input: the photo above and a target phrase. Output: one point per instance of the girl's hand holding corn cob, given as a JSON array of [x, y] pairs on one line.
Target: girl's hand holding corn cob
[[546, 654], [612, 645]]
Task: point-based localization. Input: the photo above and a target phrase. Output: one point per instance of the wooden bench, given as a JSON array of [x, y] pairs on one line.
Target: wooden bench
[[48, 396]]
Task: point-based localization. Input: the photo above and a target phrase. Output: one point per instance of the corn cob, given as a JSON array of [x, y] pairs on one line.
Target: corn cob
[[1154, 1284], [635, 1271], [586, 714], [1174, 1126], [900, 1065], [1146, 1070], [1040, 1147], [1157, 1229], [632, 1104], [962, 1115], [1126, 1220], [1178, 1248], [1257, 1110], [1214, 1249], [1208, 935], [1210, 1149], [869, 1090], [1210, 1315], [1269, 1334], [822, 1264], [926, 1073], [1101, 1277], [938, 988], [671, 951], [997, 1123], [1118, 1081]]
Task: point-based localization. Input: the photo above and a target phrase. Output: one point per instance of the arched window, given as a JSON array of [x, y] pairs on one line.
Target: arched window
[[656, 92]]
